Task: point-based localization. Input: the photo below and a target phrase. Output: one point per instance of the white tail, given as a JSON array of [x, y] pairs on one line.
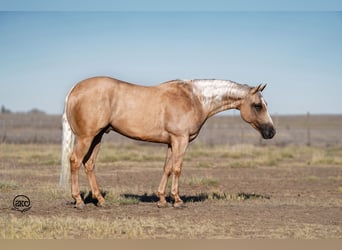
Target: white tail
[[68, 140]]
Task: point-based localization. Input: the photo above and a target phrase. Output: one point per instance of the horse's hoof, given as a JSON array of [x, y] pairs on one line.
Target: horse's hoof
[[179, 205], [102, 204], [79, 206], [162, 204]]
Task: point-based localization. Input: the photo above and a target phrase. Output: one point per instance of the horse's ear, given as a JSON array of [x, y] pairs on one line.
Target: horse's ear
[[255, 89], [260, 88]]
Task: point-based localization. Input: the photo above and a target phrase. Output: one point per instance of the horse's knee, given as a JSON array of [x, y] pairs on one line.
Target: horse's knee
[[89, 166], [168, 171], [74, 163], [177, 171]]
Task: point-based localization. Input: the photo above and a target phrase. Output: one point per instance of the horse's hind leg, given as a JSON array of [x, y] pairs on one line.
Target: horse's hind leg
[[76, 159], [89, 169]]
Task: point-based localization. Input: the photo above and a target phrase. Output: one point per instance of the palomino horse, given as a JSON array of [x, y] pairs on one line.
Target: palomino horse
[[171, 113]]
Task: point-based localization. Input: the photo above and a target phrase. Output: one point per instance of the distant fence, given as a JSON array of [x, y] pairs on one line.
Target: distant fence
[[30, 128], [315, 130]]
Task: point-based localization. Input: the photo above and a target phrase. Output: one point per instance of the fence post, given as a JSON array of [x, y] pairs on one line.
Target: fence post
[[308, 129]]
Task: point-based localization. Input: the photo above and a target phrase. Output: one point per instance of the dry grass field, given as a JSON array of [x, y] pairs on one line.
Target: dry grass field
[[235, 185]]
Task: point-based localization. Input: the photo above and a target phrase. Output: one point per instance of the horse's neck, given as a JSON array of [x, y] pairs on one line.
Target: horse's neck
[[219, 95]]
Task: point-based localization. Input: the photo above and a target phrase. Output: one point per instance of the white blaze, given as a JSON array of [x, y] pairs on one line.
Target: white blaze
[[268, 115]]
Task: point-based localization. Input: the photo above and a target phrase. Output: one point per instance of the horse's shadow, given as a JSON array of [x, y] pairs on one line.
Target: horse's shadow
[[144, 198], [153, 198], [150, 198]]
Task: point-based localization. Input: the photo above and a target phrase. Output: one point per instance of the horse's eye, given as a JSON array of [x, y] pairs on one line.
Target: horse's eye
[[257, 106]]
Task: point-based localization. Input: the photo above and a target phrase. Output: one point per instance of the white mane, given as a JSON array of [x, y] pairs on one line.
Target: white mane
[[217, 90]]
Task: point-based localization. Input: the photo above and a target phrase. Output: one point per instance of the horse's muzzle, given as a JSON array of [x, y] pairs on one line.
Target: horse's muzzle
[[267, 131]]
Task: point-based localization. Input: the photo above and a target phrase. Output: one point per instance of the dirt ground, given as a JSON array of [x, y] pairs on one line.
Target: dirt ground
[[285, 200]]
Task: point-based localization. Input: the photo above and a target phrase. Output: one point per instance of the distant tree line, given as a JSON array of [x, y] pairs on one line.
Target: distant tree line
[[5, 110]]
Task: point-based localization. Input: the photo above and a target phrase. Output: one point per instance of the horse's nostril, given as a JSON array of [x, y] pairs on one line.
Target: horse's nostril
[[271, 133], [267, 131]]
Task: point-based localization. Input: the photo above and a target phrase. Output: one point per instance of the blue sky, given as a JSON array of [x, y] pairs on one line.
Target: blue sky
[[297, 53]]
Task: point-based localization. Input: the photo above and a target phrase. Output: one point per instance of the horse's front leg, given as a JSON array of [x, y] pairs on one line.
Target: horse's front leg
[[179, 145], [167, 172]]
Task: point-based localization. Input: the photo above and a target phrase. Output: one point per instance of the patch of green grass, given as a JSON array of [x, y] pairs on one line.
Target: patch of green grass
[[324, 158], [115, 198], [242, 164], [242, 156], [239, 151], [335, 178], [32, 154], [197, 151], [203, 164], [8, 186], [201, 181], [313, 178]]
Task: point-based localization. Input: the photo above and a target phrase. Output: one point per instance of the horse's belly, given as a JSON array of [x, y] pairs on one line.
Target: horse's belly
[[141, 129]]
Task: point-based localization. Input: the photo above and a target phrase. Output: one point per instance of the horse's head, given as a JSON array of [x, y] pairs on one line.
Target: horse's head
[[253, 110]]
